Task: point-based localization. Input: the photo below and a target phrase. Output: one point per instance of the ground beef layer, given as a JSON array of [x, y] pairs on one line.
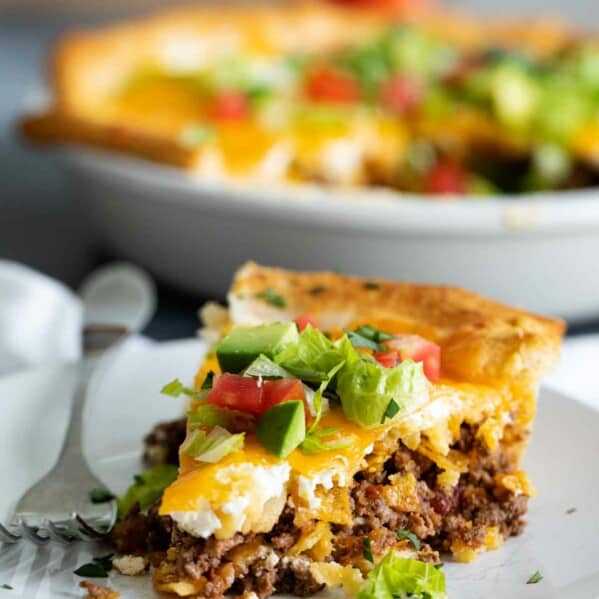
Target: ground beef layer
[[460, 515]]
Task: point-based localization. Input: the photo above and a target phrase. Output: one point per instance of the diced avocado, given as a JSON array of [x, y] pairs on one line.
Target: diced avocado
[[282, 428], [243, 345]]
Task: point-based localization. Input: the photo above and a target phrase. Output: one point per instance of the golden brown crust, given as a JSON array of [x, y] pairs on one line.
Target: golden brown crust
[[61, 127], [482, 340], [88, 66]]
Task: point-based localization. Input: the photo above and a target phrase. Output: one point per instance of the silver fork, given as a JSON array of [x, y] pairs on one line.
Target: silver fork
[[59, 507]]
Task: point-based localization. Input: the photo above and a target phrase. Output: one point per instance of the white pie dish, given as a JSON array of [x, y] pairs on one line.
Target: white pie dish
[[537, 251]]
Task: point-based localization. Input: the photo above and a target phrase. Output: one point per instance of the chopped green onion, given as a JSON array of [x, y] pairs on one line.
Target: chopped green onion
[[208, 381], [391, 411], [571, 510], [371, 285], [368, 337], [213, 446], [373, 334], [273, 298], [408, 535], [7, 587], [358, 340], [368, 549], [317, 290]]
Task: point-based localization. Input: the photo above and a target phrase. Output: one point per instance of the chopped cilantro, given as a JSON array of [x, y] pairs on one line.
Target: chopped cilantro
[[317, 290], [99, 495], [272, 297], [391, 410], [175, 388], [207, 384], [409, 536], [97, 568], [368, 549], [371, 285], [536, 577]]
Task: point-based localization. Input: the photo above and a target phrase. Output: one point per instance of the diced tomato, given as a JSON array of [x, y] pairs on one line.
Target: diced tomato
[[414, 347], [305, 320], [446, 177], [250, 395], [230, 106], [404, 7], [388, 359], [237, 393], [275, 392], [401, 94], [327, 85]]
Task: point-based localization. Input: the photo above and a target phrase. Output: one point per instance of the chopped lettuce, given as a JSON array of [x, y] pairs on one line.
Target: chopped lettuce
[[325, 439], [515, 95], [367, 388], [263, 366], [347, 351], [147, 488], [312, 358], [213, 446], [317, 398], [399, 578]]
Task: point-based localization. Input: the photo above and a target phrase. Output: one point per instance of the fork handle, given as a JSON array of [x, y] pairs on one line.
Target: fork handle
[[100, 343], [71, 454]]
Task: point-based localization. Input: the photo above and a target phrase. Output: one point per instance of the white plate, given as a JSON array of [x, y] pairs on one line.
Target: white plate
[[125, 403], [195, 233]]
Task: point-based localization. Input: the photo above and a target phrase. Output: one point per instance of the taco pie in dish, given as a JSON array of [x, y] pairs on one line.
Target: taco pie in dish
[[311, 92], [342, 428]]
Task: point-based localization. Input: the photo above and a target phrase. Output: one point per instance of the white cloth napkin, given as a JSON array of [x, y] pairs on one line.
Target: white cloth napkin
[[40, 319]]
